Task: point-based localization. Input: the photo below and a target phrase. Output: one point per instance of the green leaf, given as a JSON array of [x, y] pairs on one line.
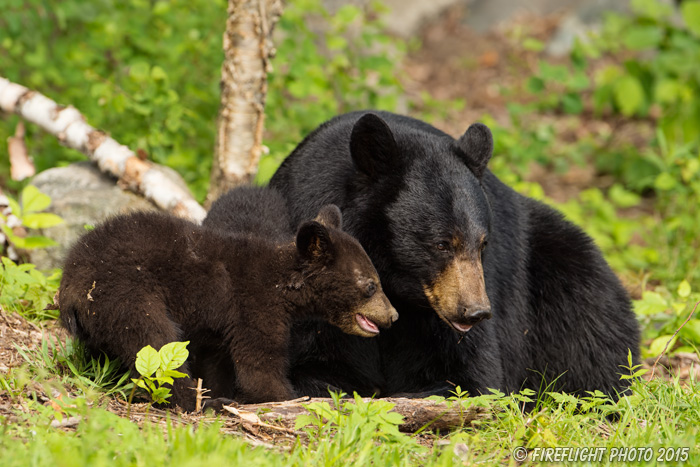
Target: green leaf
[[535, 84], [533, 44], [160, 395], [394, 418], [653, 9], [158, 74], [336, 43], [174, 374], [667, 91], [41, 220], [657, 345], [690, 10], [642, 37], [139, 71], [303, 420], [147, 361], [34, 200], [173, 355], [629, 95], [139, 382], [557, 73], [347, 14], [30, 243], [572, 103], [164, 380], [14, 207], [684, 289], [623, 198], [665, 181], [651, 303], [691, 331]]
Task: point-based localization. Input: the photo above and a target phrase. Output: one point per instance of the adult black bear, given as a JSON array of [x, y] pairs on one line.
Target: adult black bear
[[149, 278], [454, 246]]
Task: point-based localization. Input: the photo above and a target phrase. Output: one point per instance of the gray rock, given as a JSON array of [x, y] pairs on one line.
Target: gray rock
[[406, 17], [81, 195]]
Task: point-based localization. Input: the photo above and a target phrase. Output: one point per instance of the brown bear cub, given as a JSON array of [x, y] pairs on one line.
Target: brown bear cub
[[150, 279]]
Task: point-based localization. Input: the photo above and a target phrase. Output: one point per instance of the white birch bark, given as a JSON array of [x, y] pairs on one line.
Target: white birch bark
[[69, 126], [247, 49]]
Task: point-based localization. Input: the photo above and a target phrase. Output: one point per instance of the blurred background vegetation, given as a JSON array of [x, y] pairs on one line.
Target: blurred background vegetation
[[623, 108]]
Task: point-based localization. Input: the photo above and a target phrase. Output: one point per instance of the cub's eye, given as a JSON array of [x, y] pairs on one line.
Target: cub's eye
[[371, 289], [442, 246], [484, 243]]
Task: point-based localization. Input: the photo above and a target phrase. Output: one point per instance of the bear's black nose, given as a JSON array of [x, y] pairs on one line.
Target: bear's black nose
[[472, 317]]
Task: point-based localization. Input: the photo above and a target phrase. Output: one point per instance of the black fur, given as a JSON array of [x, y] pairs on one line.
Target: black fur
[[149, 278], [420, 201]]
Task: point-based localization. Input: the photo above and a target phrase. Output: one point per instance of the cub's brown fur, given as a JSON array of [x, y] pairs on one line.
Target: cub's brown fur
[[149, 278]]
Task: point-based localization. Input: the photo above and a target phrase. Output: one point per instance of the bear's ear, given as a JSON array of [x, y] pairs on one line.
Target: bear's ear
[[330, 216], [372, 146], [314, 242], [477, 145]]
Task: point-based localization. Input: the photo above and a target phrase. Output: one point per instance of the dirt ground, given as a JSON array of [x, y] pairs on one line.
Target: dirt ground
[[489, 71]]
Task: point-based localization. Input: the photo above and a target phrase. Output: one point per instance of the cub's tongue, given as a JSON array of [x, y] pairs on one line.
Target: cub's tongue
[[366, 324], [461, 327]]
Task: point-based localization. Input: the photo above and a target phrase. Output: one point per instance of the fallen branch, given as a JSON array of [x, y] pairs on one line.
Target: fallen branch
[[69, 126], [68, 422], [417, 413]]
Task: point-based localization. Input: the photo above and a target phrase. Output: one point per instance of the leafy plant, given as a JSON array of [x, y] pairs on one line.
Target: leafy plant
[[158, 367], [27, 291], [356, 427], [72, 362], [662, 313], [27, 212]]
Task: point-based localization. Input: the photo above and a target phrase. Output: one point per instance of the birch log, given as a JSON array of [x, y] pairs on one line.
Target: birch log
[[418, 413], [247, 50], [69, 126]]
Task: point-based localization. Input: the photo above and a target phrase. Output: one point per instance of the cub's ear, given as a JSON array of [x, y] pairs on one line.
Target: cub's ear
[[372, 146], [477, 145], [314, 242], [330, 216]]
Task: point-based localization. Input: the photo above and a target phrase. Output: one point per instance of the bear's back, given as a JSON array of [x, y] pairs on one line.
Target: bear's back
[[254, 211]]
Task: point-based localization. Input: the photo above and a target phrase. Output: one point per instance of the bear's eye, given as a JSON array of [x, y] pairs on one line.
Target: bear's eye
[[371, 289], [484, 243], [442, 246]]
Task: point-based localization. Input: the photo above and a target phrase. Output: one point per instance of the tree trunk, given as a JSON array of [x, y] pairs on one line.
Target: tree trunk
[[247, 50]]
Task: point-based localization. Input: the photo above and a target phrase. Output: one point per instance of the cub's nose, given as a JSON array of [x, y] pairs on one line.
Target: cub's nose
[[394, 315]]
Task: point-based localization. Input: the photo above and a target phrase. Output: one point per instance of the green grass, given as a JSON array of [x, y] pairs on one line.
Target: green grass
[[658, 415]]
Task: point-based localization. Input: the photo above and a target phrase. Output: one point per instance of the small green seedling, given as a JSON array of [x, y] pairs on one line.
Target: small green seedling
[[158, 367]]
